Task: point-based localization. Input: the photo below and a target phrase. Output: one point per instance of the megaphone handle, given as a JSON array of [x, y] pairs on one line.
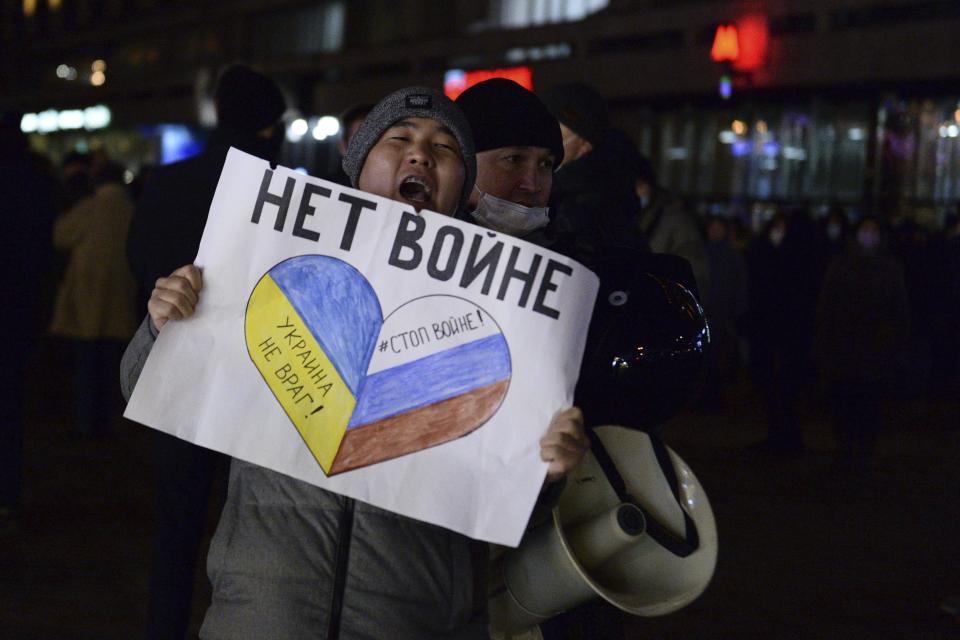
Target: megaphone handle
[[681, 547]]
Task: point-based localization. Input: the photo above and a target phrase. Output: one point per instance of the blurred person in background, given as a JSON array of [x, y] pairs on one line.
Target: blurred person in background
[[26, 205], [667, 225], [141, 180], [946, 356], [739, 233], [947, 362], [925, 280], [835, 232], [725, 303], [591, 210], [94, 307], [350, 121], [782, 268], [164, 235], [862, 326], [75, 181], [172, 210]]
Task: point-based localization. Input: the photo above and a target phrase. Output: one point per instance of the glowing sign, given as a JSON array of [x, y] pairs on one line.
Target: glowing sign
[[743, 44], [726, 87], [97, 117], [177, 143], [456, 81], [753, 37], [726, 45], [71, 119]]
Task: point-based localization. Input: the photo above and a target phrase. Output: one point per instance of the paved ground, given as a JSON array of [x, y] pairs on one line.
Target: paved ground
[[806, 551], [809, 551]]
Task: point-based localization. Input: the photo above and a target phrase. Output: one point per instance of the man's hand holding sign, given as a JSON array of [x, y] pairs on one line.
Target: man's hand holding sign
[[564, 444]]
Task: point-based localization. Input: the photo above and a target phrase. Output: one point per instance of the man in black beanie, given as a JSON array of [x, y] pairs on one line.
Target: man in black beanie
[[518, 145], [165, 234], [519, 140]]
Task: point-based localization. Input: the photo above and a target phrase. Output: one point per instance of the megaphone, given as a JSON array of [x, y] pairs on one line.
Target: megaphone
[[633, 526]]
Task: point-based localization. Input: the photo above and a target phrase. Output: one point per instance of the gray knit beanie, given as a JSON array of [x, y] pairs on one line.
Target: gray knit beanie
[[412, 102]]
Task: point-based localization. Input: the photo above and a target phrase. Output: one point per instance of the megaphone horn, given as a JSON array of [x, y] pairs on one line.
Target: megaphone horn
[[633, 526]]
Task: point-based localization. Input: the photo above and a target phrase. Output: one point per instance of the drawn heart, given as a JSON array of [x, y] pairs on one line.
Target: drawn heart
[[361, 389]]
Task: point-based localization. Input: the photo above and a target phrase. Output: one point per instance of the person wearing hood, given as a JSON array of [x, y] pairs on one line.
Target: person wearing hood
[[27, 207], [665, 221], [94, 307], [172, 211], [165, 233], [592, 212], [292, 560]]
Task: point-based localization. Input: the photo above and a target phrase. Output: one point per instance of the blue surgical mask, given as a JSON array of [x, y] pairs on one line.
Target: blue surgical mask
[[509, 217]]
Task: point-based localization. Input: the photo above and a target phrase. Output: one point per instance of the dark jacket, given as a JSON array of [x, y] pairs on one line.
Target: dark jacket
[[863, 318], [670, 228], [591, 210], [172, 211], [25, 248], [291, 560]]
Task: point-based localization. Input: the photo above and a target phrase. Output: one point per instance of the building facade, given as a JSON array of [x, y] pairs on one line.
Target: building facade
[[855, 102]]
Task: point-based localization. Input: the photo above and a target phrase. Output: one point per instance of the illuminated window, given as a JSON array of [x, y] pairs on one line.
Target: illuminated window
[[306, 30], [517, 14], [29, 8], [784, 152]]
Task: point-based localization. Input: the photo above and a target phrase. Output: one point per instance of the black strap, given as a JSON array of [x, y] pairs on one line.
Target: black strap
[[680, 547]]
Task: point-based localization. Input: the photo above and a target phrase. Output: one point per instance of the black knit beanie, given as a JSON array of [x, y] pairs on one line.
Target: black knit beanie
[[580, 107], [247, 101], [504, 114], [412, 102]]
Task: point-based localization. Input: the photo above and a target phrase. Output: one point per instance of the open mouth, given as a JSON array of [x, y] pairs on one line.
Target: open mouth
[[415, 189]]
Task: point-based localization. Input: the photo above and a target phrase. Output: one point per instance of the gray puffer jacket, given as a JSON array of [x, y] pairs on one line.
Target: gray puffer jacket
[[290, 560]]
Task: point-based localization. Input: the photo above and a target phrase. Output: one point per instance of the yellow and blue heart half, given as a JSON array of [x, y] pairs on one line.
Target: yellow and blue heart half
[[313, 325]]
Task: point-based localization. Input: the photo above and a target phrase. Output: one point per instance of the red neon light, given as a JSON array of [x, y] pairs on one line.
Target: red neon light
[[454, 86], [726, 45], [753, 38]]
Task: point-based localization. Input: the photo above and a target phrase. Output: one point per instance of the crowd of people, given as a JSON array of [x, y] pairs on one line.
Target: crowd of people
[[855, 308], [852, 310]]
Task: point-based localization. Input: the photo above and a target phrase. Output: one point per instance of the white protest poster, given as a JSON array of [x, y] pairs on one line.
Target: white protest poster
[[411, 361]]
